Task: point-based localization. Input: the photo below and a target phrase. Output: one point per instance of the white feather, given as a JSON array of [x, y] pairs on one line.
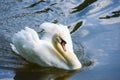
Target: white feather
[[27, 44]]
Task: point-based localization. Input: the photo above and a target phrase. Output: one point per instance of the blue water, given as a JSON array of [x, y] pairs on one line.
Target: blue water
[[96, 37]]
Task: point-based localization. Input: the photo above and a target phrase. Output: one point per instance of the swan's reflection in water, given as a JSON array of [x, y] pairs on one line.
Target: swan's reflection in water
[[34, 72]]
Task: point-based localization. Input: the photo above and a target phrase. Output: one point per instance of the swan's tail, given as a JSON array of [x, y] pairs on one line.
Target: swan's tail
[[24, 39]]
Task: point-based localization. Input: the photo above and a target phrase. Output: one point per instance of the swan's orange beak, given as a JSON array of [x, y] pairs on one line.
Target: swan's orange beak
[[63, 45]]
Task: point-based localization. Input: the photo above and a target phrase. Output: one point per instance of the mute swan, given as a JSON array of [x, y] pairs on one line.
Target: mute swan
[[54, 49]]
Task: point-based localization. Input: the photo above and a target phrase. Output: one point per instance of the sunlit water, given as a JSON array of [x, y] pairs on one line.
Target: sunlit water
[[95, 31]]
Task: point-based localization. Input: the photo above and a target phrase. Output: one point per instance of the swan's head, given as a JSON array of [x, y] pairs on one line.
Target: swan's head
[[61, 40]]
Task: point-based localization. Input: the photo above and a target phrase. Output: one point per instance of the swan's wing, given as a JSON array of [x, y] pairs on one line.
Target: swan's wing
[[25, 43], [24, 38]]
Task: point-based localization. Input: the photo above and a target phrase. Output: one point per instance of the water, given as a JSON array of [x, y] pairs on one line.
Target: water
[[95, 30]]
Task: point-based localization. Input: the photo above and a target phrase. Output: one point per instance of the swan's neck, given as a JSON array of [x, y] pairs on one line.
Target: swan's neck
[[69, 58]]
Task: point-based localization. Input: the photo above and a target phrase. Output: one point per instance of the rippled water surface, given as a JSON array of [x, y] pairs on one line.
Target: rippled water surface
[[95, 31]]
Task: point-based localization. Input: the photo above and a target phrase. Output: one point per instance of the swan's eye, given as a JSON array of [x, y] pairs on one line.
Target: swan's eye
[[62, 41]]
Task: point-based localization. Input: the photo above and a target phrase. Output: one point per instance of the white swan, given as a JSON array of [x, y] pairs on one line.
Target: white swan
[[54, 49]]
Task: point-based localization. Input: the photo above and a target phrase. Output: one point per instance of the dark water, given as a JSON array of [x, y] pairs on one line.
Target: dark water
[[95, 30]]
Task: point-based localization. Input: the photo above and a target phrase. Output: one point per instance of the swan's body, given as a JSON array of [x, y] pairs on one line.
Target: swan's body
[[54, 49]]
